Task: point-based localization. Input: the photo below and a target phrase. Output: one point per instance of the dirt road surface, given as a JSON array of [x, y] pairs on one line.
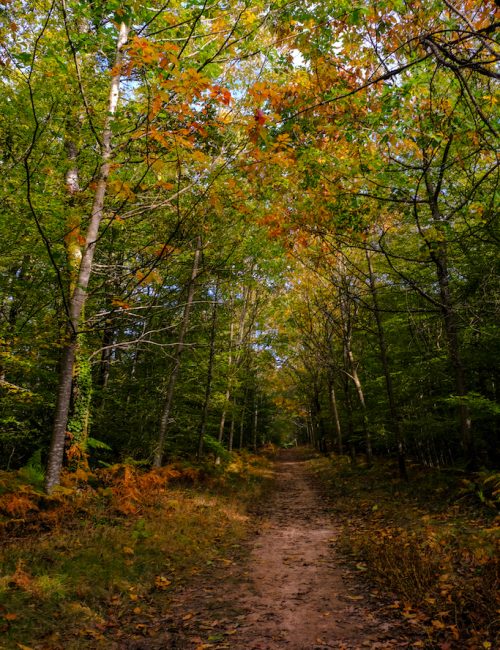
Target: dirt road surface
[[293, 592]]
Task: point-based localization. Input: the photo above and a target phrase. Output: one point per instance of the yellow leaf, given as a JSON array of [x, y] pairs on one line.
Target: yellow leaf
[[161, 582], [439, 625], [127, 550]]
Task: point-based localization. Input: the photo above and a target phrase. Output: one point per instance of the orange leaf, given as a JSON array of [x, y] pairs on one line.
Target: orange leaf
[[259, 117]]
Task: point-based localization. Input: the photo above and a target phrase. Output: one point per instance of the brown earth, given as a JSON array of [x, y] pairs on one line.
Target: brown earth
[[293, 591]]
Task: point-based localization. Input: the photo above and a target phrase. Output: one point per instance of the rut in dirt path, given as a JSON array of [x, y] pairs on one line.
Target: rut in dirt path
[[293, 592], [298, 596]]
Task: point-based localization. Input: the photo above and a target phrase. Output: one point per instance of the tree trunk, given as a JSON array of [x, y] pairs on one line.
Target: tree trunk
[[79, 295], [451, 328], [255, 422], [439, 255], [335, 416], [242, 420], [361, 397], [208, 386], [231, 428], [384, 357], [348, 406], [169, 394], [318, 419], [351, 371], [227, 396], [234, 358], [81, 390]]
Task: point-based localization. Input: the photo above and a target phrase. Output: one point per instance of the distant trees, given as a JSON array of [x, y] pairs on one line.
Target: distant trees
[[397, 194]]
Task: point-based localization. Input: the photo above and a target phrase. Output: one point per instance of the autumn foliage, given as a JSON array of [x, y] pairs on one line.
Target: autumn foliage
[[434, 559]]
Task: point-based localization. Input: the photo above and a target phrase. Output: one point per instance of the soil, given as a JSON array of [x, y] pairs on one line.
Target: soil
[[293, 590]]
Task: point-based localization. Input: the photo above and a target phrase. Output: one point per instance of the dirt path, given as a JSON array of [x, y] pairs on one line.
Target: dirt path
[[294, 591]]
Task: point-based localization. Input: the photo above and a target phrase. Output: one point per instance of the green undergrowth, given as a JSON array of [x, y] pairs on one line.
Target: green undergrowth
[[92, 564], [430, 546]]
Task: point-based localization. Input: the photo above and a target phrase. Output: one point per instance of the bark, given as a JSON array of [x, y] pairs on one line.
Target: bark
[[169, 394], [227, 396], [335, 416], [361, 397], [79, 295], [439, 256], [10, 310], [108, 340], [208, 385], [451, 328], [255, 422], [242, 428], [384, 357], [234, 359], [81, 389], [231, 429], [317, 418], [350, 366], [348, 405], [242, 421]]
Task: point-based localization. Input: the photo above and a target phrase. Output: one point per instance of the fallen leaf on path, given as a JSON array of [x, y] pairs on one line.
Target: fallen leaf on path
[[161, 582], [355, 597], [439, 625]]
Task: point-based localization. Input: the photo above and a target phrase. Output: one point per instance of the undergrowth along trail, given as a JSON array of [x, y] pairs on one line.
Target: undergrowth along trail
[[98, 563], [430, 546]]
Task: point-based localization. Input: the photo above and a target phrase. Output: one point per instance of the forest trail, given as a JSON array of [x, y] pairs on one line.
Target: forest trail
[[293, 591]]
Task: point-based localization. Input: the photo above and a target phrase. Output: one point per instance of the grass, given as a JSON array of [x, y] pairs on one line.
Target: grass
[[82, 567], [430, 546]]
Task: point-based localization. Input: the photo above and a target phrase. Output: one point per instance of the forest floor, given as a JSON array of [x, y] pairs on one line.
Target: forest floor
[[294, 551], [293, 590]]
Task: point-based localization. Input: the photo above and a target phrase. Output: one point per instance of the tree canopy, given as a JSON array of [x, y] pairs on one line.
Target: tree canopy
[[229, 223]]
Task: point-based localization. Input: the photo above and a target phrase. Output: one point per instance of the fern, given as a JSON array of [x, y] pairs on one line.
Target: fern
[[97, 444], [33, 472]]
